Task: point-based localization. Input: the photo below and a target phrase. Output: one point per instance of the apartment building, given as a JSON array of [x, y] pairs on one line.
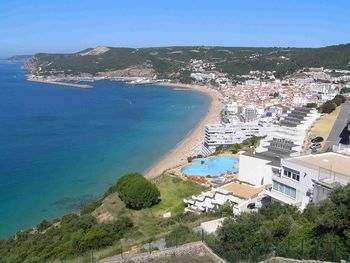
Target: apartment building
[[309, 178], [283, 141], [249, 113], [228, 134], [293, 126], [238, 194]]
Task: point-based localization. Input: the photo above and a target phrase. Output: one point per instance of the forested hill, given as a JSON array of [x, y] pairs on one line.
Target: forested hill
[[170, 61], [19, 58]]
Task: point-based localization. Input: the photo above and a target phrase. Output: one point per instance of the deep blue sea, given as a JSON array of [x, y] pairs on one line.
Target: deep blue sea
[[61, 147]]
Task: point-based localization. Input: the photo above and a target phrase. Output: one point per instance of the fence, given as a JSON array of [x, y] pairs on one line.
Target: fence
[[300, 249], [294, 248]]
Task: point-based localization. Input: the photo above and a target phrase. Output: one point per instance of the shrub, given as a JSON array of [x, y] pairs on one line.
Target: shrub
[[339, 99], [322, 228], [89, 208], [345, 90], [235, 148], [311, 105], [43, 225], [328, 107], [136, 191], [181, 235], [101, 235]]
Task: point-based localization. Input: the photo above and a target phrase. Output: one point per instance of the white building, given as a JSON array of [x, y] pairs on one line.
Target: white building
[[284, 140], [342, 148], [249, 113], [300, 100], [238, 194], [294, 184], [292, 126], [203, 76], [228, 134], [232, 108]]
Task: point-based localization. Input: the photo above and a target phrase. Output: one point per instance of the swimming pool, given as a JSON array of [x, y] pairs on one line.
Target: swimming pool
[[210, 167]]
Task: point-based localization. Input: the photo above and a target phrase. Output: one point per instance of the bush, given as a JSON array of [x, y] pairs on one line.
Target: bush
[[43, 225], [322, 228], [101, 235], [311, 105], [345, 90], [181, 235], [235, 148], [89, 208], [331, 105], [190, 158], [328, 107], [136, 191], [339, 99]]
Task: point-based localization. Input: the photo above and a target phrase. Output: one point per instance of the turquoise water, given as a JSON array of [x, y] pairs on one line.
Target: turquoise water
[[212, 167], [61, 147]]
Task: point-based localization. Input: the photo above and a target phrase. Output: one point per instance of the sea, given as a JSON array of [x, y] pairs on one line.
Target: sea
[[62, 147]]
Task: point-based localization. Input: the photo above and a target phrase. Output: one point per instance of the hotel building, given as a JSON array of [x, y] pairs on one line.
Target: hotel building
[[228, 134]]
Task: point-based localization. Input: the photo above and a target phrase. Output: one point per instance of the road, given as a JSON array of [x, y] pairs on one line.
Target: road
[[338, 127]]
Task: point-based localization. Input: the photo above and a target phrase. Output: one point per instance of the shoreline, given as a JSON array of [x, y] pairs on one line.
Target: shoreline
[[191, 144]]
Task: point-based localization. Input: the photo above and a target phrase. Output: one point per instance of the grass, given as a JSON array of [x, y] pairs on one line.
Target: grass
[[149, 223], [172, 192]]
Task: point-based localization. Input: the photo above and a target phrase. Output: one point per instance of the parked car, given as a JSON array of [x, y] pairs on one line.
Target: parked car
[[317, 139], [315, 146]]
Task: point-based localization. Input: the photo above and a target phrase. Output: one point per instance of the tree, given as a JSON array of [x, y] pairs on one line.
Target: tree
[[251, 142], [345, 90], [328, 107], [339, 99], [185, 77], [43, 225], [235, 148], [136, 191], [311, 105]]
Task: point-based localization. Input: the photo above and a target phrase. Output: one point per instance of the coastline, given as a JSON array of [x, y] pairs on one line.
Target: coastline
[[191, 144]]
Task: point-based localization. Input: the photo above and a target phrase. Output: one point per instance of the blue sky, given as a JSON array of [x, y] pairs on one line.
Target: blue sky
[[28, 27]]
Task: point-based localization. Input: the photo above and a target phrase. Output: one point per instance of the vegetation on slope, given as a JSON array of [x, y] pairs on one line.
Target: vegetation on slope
[[75, 235], [136, 191], [330, 105], [169, 61], [322, 231]]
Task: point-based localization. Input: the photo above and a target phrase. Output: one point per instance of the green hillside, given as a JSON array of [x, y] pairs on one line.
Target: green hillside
[[168, 61]]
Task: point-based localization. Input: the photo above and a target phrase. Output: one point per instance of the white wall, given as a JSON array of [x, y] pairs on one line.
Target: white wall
[[253, 170], [301, 186]]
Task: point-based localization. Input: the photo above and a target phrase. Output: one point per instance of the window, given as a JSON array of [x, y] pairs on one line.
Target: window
[[285, 189], [295, 175]]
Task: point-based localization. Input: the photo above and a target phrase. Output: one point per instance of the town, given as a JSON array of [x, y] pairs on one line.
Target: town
[[291, 162]]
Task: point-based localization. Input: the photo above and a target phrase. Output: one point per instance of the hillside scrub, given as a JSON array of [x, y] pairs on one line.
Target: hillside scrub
[[322, 231], [75, 236], [330, 105]]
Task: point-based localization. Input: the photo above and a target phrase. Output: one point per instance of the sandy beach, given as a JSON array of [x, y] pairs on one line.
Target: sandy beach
[[192, 143]]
